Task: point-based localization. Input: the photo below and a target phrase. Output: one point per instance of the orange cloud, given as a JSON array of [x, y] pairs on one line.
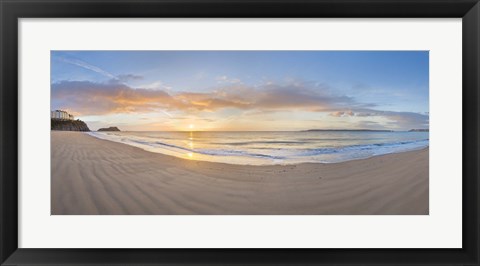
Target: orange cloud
[[89, 98]]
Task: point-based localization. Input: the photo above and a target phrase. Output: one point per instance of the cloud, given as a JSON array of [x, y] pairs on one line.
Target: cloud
[[226, 79], [90, 98], [85, 65], [128, 77], [342, 113], [397, 119], [156, 85], [407, 120], [122, 78]]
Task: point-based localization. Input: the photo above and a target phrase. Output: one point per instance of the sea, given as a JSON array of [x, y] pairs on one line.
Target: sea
[[270, 148]]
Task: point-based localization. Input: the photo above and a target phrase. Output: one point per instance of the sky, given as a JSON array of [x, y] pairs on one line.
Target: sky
[[243, 90]]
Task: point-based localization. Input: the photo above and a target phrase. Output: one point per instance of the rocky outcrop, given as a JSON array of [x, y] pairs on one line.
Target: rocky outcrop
[[109, 129], [69, 125]]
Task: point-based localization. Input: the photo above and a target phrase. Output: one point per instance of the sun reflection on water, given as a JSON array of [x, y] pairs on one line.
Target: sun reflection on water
[[190, 144]]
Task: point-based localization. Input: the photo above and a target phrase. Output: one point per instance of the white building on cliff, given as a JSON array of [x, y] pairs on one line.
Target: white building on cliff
[[61, 115]]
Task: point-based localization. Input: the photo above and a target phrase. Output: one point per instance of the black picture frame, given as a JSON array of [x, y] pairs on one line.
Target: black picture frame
[[12, 10]]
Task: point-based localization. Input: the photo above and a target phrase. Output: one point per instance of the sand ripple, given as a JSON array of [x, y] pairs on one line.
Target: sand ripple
[[93, 176]]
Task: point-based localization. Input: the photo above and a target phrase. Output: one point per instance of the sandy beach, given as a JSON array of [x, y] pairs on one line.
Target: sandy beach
[[92, 176]]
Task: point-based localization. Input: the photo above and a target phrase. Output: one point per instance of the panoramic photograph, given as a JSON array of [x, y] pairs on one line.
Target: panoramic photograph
[[239, 132]]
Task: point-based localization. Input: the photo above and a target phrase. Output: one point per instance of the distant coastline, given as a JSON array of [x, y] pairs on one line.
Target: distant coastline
[[350, 130], [367, 130], [419, 130], [109, 129]]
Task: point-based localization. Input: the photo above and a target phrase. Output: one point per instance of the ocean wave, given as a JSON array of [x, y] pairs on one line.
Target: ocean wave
[[211, 152], [258, 142], [367, 147], [279, 152]]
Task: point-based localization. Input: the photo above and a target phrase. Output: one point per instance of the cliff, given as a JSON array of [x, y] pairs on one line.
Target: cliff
[[68, 125], [109, 129]]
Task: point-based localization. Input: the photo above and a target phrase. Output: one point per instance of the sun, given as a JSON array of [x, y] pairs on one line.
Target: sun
[[191, 126]]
